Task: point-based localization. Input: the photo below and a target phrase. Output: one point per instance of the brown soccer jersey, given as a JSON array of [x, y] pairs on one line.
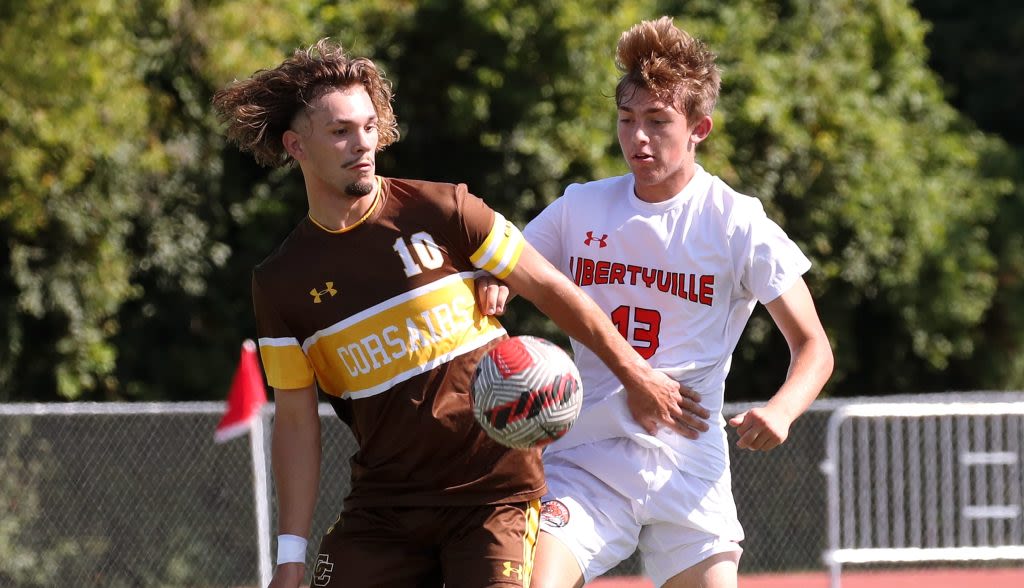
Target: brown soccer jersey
[[383, 315]]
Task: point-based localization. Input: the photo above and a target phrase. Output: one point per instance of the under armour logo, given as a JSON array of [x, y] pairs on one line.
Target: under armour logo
[[602, 241], [323, 569], [316, 294], [509, 570]]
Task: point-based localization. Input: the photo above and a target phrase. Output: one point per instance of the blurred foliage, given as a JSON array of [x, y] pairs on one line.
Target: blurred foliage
[[978, 50], [130, 228], [119, 226]]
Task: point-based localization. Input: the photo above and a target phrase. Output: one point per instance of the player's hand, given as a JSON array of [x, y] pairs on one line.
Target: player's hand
[[491, 295], [662, 401], [761, 429], [289, 575]]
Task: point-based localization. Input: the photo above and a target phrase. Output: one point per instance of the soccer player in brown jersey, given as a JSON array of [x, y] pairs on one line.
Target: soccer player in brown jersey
[[371, 300]]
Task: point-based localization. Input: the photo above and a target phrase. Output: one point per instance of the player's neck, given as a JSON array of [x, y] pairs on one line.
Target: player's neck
[[667, 188], [335, 210]]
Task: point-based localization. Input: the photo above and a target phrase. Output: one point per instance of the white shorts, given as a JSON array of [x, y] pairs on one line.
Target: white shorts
[[607, 499]]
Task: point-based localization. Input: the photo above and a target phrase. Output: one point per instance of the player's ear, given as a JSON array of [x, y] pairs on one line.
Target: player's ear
[[701, 129], [293, 144]]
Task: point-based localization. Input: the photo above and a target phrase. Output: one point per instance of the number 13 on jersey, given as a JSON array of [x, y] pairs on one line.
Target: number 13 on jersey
[[640, 326]]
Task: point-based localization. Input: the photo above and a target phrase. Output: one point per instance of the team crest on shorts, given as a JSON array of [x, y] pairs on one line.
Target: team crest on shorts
[[322, 570], [554, 513]]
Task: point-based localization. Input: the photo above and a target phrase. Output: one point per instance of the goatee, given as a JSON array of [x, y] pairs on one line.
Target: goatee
[[359, 188]]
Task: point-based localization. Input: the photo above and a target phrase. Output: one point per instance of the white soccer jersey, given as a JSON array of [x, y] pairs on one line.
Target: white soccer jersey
[[679, 279]]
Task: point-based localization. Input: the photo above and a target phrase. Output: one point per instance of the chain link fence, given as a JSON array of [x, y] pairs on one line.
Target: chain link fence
[[123, 496], [139, 495]]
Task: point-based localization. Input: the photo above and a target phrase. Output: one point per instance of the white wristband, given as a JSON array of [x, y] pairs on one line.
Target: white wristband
[[291, 549]]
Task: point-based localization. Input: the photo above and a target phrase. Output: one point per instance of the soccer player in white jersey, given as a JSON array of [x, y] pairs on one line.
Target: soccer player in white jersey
[[678, 260]]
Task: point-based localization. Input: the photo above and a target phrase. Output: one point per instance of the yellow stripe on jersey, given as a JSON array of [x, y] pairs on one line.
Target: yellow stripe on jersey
[[500, 251], [384, 345], [285, 363]]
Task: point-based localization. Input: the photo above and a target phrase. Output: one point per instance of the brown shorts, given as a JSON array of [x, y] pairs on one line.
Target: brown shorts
[[454, 547]]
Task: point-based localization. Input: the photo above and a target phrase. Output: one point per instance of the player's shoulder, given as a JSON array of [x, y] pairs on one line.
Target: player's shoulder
[[593, 195], [580, 200], [442, 196], [612, 187], [409, 186], [733, 204], [284, 258]]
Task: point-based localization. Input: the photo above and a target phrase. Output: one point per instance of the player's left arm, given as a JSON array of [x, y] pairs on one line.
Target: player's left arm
[[810, 366]]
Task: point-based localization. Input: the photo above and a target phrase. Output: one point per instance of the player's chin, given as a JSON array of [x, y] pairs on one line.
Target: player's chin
[[646, 176]]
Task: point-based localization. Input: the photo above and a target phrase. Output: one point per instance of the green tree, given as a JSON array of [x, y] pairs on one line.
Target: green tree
[[108, 153], [67, 204]]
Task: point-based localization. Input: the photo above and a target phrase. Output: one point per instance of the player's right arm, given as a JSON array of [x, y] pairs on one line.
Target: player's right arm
[[295, 455]]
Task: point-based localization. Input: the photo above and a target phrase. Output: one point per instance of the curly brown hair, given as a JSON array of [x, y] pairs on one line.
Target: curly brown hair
[[260, 109], [673, 66]]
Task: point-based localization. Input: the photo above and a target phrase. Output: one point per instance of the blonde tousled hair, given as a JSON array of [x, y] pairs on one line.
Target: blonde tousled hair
[[669, 63]]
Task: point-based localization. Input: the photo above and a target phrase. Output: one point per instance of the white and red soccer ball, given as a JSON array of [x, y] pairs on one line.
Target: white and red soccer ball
[[526, 392]]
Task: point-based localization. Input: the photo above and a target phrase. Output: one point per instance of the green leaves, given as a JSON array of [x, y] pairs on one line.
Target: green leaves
[[106, 159]]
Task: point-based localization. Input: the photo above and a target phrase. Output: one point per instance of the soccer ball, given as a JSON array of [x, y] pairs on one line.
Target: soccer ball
[[526, 392]]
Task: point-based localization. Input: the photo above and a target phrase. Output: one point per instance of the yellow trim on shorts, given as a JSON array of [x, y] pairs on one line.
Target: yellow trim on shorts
[[532, 513]]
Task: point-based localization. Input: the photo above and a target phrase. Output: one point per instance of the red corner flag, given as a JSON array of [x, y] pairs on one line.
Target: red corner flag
[[246, 397]]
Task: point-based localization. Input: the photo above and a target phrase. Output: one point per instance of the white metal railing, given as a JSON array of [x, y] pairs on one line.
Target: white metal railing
[[916, 482]]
